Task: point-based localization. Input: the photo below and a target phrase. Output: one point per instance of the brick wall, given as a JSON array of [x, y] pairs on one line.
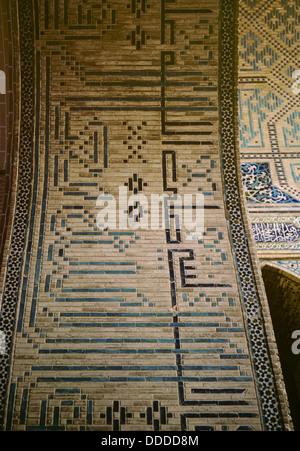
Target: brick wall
[[6, 119], [132, 328]]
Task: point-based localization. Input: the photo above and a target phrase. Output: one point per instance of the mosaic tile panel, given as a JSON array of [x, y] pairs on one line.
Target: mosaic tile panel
[[269, 123], [131, 329], [269, 95], [259, 187]]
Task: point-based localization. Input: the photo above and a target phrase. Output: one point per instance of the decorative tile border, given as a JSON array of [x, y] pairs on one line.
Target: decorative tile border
[[19, 235], [254, 318], [276, 233]]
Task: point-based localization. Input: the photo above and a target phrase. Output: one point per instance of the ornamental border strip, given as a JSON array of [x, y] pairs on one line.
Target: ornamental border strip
[[255, 321], [23, 196]]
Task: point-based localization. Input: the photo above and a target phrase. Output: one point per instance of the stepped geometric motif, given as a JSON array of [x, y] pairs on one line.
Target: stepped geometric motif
[[252, 3], [269, 99], [285, 21], [256, 55], [256, 105], [291, 130]]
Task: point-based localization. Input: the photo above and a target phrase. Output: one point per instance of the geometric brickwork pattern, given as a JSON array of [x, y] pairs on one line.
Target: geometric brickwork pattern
[[131, 329], [270, 121]]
